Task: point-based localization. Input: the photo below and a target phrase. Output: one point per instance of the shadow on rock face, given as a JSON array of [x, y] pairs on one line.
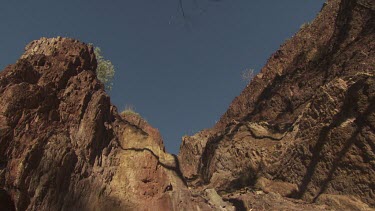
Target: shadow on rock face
[[238, 204], [6, 202]]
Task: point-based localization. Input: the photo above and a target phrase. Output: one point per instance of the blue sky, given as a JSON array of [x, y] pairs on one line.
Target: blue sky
[[179, 73]]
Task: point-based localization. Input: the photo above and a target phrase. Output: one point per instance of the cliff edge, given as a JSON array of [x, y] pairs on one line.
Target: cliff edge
[[301, 135], [305, 126], [63, 146]]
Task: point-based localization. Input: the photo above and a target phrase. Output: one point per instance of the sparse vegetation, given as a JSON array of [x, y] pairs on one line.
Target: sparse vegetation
[[247, 75], [304, 25], [105, 70], [130, 110]]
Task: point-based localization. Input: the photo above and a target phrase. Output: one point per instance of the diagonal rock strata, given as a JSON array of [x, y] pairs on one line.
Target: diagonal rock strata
[[307, 119]]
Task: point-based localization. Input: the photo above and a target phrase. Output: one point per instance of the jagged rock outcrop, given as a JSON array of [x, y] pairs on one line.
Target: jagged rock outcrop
[[137, 120], [305, 125], [63, 146], [301, 136]]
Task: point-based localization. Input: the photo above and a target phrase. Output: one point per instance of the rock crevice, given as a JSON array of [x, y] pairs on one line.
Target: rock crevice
[[299, 136]]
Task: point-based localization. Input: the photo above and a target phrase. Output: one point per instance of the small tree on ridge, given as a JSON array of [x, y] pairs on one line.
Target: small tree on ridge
[[105, 69]]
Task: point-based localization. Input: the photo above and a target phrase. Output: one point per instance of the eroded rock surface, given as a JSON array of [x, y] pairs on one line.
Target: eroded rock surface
[[64, 147], [305, 125], [301, 136]]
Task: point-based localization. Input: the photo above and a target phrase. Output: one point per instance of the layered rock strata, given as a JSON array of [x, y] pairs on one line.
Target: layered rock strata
[[305, 125], [63, 146]]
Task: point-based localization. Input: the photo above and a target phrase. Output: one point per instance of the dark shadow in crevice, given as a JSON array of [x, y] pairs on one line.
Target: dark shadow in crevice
[[346, 111], [246, 178], [6, 202], [336, 163], [3, 162], [238, 204], [361, 123], [206, 158]]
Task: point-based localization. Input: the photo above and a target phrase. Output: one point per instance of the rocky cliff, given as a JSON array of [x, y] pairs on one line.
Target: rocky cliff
[[63, 146], [305, 126], [299, 137]]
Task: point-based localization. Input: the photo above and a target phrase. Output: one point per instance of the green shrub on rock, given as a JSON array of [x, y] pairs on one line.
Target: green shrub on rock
[[105, 70]]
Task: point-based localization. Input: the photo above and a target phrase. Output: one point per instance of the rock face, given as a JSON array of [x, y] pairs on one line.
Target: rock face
[[64, 147], [306, 122], [301, 136]]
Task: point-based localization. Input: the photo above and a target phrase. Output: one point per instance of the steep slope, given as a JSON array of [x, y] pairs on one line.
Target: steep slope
[[302, 131], [305, 125], [64, 147]]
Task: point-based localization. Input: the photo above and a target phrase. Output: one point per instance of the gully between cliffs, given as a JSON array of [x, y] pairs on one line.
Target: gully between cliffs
[[301, 135]]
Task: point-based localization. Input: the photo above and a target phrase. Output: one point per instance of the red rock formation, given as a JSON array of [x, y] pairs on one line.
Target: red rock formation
[[303, 128], [137, 120], [64, 147], [306, 121]]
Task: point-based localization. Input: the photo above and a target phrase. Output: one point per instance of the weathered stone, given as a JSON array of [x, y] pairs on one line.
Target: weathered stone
[[305, 121], [64, 147], [303, 128]]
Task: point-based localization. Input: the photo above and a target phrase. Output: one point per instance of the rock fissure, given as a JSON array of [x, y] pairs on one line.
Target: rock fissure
[[311, 102], [299, 136]]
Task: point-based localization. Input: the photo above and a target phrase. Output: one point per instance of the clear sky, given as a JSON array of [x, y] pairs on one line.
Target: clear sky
[[179, 73]]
